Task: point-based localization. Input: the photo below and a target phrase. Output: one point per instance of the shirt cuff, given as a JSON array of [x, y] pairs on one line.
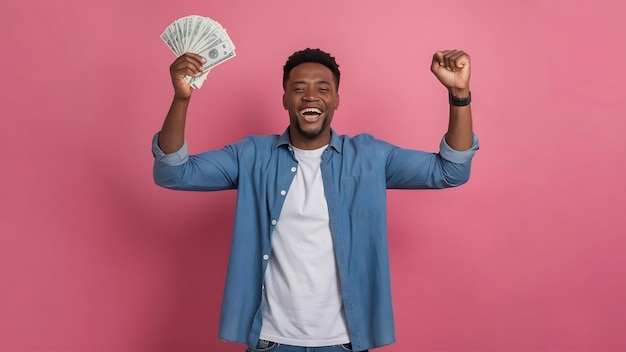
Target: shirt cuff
[[173, 159], [456, 156]]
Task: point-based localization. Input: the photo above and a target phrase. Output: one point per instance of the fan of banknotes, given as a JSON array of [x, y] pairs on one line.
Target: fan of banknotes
[[199, 35]]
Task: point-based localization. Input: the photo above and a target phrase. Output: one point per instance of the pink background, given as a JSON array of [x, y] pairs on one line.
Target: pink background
[[530, 255]]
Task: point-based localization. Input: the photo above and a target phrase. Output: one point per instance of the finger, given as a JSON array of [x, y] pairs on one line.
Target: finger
[[454, 60], [446, 58], [439, 57], [443, 58], [184, 69], [189, 71], [438, 60], [197, 60], [451, 60], [188, 60], [458, 60], [191, 56], [194, 56]]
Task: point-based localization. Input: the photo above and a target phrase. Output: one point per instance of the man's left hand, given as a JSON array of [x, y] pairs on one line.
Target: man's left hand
[[452, 69]]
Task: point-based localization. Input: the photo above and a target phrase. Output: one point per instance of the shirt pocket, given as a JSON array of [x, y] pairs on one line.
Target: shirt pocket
[[361, 194]]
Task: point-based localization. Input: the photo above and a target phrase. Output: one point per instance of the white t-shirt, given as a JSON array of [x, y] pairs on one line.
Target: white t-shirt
[[302, 293]]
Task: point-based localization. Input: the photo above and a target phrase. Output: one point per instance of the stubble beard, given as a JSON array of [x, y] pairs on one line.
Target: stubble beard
[[311, 135]]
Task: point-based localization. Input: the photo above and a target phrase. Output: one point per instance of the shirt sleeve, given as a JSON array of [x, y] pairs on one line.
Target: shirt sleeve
[[456, 156], [178, 157], [415, 169], [211, 170]]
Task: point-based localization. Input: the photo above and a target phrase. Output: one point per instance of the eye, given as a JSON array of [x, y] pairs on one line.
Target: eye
[[298, 89], [323, 89]]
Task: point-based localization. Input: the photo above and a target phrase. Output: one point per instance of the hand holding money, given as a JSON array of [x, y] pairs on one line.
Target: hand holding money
[[201, 36], [186, 65]]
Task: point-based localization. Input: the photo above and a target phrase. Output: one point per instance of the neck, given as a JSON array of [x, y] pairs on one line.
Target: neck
[[304, 143]]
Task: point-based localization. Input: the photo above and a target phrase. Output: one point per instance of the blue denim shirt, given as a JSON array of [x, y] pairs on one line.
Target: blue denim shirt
[[356, 172]]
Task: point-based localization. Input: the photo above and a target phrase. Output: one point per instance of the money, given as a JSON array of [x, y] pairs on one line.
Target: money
[[203, 36]]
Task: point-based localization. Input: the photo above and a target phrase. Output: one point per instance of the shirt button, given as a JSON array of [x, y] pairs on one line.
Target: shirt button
[[293, 169], [266, 257], [273, 222], [283, 192]]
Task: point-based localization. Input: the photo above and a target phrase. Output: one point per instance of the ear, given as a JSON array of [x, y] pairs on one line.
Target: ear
[[284, 102], [337, 98]]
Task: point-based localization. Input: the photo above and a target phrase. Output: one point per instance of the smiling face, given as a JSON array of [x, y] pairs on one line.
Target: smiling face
[[311, 99]]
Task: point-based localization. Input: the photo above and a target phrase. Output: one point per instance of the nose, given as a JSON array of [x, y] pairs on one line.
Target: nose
[[310, 95]]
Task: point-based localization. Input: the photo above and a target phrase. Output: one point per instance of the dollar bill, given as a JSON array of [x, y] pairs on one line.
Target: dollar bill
[[200, 35]]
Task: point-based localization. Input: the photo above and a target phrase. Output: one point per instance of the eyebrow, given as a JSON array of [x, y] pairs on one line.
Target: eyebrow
[[306, 82]]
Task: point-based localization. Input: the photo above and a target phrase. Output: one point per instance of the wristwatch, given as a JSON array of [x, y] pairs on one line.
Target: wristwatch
[[460, 101]]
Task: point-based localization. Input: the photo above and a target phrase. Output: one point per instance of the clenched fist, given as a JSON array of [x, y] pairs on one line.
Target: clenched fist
[[452, 69], [188, 64]]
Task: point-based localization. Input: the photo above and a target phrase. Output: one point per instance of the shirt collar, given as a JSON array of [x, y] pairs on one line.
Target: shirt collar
[[335, 141]]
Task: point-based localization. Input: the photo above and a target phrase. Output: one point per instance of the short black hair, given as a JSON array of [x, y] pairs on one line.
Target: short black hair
[[311, 55]]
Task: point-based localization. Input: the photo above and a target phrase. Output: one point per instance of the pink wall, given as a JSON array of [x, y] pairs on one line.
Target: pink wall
[[95, 257]]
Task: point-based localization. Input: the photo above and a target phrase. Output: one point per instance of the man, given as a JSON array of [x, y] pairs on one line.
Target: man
[[309, 264]]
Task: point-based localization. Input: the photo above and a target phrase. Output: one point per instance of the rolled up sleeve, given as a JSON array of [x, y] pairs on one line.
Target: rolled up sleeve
[[179, 157], [456, 156]]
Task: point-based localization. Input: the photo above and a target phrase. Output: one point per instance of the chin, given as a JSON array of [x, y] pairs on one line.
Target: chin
[[309, 134]]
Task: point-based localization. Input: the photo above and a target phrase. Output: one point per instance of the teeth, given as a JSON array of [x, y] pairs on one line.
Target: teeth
[[313, 110]]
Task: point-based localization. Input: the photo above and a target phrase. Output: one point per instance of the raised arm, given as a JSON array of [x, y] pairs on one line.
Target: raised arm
[[172, 134], [452, 69]]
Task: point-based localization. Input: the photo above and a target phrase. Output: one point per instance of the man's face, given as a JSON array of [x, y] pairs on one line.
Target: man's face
[[311, 99]]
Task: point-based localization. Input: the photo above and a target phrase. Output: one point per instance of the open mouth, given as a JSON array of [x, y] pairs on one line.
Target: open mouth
[[310, 114]]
